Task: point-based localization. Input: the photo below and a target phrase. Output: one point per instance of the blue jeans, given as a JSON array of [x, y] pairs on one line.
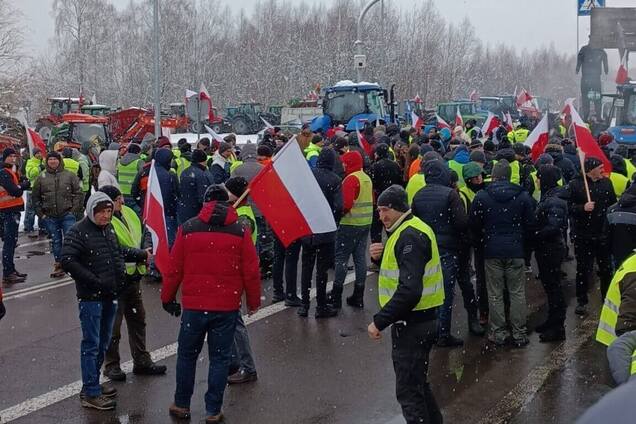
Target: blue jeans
[[29, 213], [351, 240], [10, 224], [96, 321], [219, 327], [449, 271], [56, 228]]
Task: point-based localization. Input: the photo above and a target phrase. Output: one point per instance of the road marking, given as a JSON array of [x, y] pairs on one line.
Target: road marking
[[54, 396], [524, 392], [33, 243], [39, 288]]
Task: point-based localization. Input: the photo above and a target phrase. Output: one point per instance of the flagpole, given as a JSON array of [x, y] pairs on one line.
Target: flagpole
[[240, 199], [587, 187]]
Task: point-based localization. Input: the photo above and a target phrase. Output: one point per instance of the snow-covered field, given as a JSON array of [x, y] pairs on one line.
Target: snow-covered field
[[192, 138]]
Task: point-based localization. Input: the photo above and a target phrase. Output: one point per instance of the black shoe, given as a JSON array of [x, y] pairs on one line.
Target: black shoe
[[541, 328], [355, 301], [115, 374], [475, 328], [449, 341], [108, 390], [152, 369], [520, 342], [277, 297], [21, 275], [12, 279], [326, 311], [303, 311], [334, 298], [293, 302], [554, 334]]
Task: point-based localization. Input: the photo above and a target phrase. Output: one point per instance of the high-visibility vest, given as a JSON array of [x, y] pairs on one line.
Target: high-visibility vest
[[311, 151], [71, 165], [248, 212], [632, 370], [467, 196], [619, 183], [606, 332], [416, 182], [182, 164], [361, 214], [631, 169], [234, 165], [176, 153], [32, 169], [126, 176], [519, 135], [129, 236], [515, 172], [458, 168], [432, 280], [6, 200]]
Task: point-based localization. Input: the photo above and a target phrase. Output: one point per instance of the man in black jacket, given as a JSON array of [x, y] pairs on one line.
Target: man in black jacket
[[319, 249], [587, 218], [620, 227], [193, 183], [384, 173], [440, 207], [552, 219], [96, 261], [411, 308]]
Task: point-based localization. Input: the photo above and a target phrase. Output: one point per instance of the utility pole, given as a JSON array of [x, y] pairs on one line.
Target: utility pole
[[360, 60], [157, 69]]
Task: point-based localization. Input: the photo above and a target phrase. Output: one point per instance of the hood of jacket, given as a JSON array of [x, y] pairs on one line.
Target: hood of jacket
[[549, 177], [461, 155], [248, 153], [218, 213], [557, 156], [108, 161], [628, 199], [436, 172], [93, 201], [618, 165], [128, 158], [507, 154], [326, 159], [352, 162], [163, 157], [503, 191]]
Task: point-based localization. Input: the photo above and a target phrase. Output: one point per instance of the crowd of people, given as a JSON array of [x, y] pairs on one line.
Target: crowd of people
[[454, 205]]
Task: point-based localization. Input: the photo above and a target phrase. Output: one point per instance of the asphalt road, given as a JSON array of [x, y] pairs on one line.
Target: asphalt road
[[310, 372]]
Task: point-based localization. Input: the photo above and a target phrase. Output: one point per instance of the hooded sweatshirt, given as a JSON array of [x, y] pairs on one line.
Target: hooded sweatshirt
[[108, 165], [167, 181], [620, 225], [331, 187], [351, 185], [250, 166], [552, 211]]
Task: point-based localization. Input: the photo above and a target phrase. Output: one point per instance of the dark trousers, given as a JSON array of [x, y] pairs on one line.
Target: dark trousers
[[321, 256], [480, 281], [464, 283], [10, 222], [587, 85], [376, 228], [412, 344], [131, 307], [29, 213], [195, 325], [549, 260], [265, 245], [286, 264], [586, 251]]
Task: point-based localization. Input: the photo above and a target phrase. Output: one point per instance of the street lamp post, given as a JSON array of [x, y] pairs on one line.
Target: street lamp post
[[156, 69], [360, 59]]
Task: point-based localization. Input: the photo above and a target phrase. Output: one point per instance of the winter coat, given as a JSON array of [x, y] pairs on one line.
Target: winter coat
[[94, 258], [620, 226], [384, 173], [551, 220], [108, 165], [13, 189], [192, 186], [167, 181], [439, 206], [250, 166], [589, 225], [214, 260], [330, 184], [502, 219], [568, 170], [220, 169], [57, 193], [569, 152]]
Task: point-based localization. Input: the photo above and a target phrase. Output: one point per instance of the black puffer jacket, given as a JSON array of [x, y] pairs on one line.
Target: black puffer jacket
[[621, 226], [502, 220], [552, 211], [568, 170], [385, 173], [194, 181], [440, 207], [589, 225], [94, 258]]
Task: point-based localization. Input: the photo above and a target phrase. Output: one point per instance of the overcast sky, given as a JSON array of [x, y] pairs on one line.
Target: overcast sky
[[528, 24]]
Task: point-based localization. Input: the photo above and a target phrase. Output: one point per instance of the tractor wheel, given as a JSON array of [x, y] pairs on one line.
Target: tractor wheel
[[194, 127], [240, 126], [216, 128]]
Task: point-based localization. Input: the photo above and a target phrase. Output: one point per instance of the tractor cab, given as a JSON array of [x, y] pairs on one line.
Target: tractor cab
[[96, 110], [621, 117], [63, 105], [177, 110], [77, 128]]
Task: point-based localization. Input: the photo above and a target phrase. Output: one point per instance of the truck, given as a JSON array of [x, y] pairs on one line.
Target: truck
[[352, 104]]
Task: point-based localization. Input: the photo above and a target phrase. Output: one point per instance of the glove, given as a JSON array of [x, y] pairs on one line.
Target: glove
[[25, 185], [3, 310], [173, 308]]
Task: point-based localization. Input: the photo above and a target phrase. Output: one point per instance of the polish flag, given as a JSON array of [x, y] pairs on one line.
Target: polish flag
[[491, 124], [441, 123], [621, 75], [155, 221], [417, 122], [190, 93], [364, 144], [538, 138], [214, 134], [585, 141], [289, 197], [508, 121], [459, 121], [33, 138], [523, 97], [203, 93]]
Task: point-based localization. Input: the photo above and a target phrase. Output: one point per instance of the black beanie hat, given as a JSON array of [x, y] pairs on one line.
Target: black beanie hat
[[8, 152], [591, 162], [51, 154], [199, 156], [111, 191], [216, 192], [133, 148], [236, 186], [394, 197]]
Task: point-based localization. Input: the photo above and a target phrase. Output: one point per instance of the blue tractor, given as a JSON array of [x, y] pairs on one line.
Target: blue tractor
[[622, 116], [352, 104]]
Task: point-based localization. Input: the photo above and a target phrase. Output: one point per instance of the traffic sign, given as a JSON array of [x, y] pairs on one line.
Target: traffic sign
[[585, 6]]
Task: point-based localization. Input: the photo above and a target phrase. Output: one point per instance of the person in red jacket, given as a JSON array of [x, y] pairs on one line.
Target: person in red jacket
[[211, 292]]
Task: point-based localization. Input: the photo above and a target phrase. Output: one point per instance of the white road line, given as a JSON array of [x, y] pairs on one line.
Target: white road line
[[39, 288], [525, 391], [33, 243], [54, 396]]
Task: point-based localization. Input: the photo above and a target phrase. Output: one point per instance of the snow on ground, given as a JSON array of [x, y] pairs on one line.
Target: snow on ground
[[192, 138]]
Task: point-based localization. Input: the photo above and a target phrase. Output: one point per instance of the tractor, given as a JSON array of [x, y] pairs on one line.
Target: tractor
[[621, 117], [59, 107], [247, 118], [96, 110], [77, 128]]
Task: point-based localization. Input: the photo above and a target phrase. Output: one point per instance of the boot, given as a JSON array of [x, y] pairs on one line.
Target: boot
[[326, 311], [58, 272], [100, 403], [179, 413], [556, 333], [334, 298], [303, 311], [356, 300], [12, 279], [449, 341], [474, 327], [542, 328]]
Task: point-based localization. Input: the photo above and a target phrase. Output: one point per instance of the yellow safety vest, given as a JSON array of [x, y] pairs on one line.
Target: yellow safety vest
[[71, 165], [631, 169], [518, 136], [467, 195], [130, 236], [414, 185], [515, 172], [432, 281], [361, 214], [606, 332], [235, 164], [311, 151], [248, 212], [176, 152], [182, 164], [458, 168], [126, 176], [619, 183]]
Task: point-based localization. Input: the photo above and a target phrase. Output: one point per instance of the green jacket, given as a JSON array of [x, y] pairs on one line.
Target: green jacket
[[56, 193]]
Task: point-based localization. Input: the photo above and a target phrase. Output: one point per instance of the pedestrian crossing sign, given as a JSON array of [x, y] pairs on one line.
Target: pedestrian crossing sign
[[585, 6]]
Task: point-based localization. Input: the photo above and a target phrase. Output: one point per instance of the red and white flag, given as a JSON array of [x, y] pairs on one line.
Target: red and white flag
[[538, 138], [190, 93], [214, 134], [621, 74], [473, 96], [459, 121], [417, 122], [523, 97], [364, 144], [508, 121], [155, 221], [585, 141], [203, 93], [491, 124], [441, 123], [289, 197]]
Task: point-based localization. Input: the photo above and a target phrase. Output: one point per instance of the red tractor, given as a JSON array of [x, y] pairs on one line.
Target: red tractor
[[59, 107]]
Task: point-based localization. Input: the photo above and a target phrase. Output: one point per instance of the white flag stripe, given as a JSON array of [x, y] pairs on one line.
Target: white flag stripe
[[293, 171], [541, 128]]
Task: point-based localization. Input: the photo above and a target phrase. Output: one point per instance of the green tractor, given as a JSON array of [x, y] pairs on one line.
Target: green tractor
[[247, 118]]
